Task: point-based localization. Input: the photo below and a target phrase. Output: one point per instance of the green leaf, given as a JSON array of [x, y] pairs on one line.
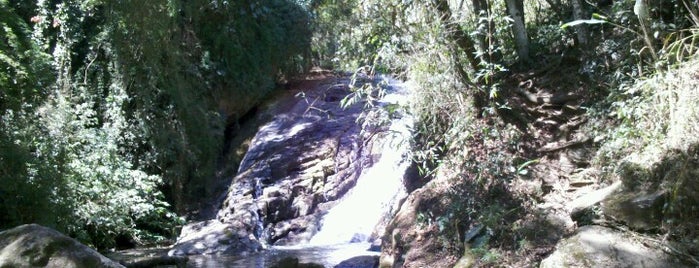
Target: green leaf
[[578, 22], [599, 16]]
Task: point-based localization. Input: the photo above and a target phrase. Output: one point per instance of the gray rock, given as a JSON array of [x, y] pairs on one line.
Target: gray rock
[[215, 237], [360, 262], [375, 245], [596, 246], [581, 205], [638, 210], [292, 262], [33, 245]]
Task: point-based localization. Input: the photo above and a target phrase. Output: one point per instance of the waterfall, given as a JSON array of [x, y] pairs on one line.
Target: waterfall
[[379, 187], [275, 195]]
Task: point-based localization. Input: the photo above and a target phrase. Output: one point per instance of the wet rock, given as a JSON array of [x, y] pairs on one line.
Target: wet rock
[[596, 246], [215, 237], [292, 262], [155, 261], [294, 231], [375, 245], [147, 257], [308, 154], [360, 262], [33, 245]]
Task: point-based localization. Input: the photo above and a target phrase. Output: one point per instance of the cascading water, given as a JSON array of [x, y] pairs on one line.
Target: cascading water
[[277, 198], [379, 187], [259, 226]]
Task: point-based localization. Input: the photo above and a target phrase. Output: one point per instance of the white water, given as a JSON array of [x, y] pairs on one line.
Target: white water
[[379, 187]]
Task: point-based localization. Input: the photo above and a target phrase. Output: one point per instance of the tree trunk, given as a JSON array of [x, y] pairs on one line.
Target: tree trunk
[[515, 8], [579, 14], [484, 28], [454, 34], [458, 39]]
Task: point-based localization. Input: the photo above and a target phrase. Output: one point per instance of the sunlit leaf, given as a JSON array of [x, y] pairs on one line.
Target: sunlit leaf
[[580, 22]]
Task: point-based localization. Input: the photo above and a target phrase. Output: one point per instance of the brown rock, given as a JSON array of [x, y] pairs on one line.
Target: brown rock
[[407, 244]]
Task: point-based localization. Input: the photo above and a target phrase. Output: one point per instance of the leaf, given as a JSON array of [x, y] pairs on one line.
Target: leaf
[[598, 16], [578, 22], [525, 164]]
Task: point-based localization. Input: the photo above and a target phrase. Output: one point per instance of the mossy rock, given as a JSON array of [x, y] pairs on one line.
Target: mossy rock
[[33, 245]]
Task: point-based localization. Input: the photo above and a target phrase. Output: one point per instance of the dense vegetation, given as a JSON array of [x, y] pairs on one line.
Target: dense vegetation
[[113, 112], [471, 60]]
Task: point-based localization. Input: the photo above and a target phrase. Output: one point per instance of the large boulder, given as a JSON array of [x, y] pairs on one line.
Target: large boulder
[[596, 246], [33, 245]]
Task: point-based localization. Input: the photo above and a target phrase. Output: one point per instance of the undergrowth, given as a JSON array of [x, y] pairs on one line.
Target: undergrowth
[[654, 146]]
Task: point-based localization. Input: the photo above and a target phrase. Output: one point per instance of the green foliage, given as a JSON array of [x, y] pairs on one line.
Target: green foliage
[[111, 110], [654, 147], [241, 40], [349, 34], [628, 46], [28, 183], [408, 38]]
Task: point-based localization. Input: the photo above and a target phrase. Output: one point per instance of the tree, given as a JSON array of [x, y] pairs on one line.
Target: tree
[[515, 8], [484, 28], [457, 37], [459, 40], [579, 14]]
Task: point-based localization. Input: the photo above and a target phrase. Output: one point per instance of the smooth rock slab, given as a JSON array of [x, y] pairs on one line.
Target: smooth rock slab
[[33, 245], [214, 237], [596, 246]]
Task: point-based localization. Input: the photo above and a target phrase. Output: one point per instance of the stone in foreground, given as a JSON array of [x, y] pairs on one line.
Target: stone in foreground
[[360, 262], [596, 246], [33, 245]]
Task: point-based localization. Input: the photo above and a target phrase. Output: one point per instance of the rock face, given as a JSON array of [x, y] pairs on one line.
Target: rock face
[[307, 156], [33, 245], [408, 244], [596, 246]]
